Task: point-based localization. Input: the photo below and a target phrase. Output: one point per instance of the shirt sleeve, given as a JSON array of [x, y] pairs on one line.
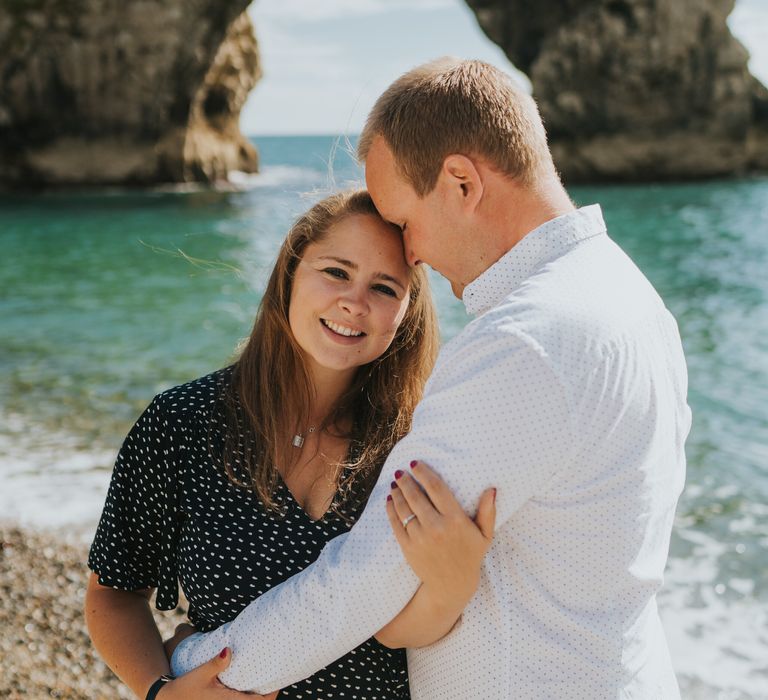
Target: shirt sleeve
[[493, 414], [133, 547]]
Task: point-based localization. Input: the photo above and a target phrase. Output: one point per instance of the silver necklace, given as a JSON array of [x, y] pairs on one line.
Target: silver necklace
[[298, 439]]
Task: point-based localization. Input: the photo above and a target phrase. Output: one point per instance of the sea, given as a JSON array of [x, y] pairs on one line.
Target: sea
[[108, 297]]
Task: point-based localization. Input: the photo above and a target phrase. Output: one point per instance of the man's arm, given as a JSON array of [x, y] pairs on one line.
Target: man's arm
[[493, 414]]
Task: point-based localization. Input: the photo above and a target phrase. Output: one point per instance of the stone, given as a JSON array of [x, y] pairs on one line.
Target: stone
[[635, 90], [135, 93], [45, 648]]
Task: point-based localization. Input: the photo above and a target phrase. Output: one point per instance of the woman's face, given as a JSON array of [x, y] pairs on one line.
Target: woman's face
[[349, 295]]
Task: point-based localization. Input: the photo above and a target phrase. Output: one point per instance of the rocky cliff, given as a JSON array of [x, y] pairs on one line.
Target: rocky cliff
[[150, 91], [636, 89], [138, 92]]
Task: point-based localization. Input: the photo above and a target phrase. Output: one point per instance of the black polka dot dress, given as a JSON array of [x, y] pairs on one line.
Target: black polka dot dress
[[172, 515]]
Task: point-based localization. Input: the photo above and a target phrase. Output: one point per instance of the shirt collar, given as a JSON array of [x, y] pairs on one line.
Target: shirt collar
[[543, 243]]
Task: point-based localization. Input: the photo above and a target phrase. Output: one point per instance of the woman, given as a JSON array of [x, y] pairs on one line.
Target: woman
[[234, 482]]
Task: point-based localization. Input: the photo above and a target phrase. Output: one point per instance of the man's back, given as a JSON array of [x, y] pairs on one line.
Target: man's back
[[566, 607]]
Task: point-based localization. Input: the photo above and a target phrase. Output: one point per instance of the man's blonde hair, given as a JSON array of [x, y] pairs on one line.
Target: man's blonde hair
[[458, 106]]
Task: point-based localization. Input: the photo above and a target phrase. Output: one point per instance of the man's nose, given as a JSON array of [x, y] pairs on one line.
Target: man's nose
[[410, 256], [411, 259]]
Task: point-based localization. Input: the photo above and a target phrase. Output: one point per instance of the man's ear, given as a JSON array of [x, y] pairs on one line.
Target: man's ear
[[464, 179]]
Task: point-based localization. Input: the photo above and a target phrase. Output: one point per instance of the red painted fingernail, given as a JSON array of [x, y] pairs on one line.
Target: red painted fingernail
[[399, 473], [494, 495], [413, 463], [389, 497], [223, 653]]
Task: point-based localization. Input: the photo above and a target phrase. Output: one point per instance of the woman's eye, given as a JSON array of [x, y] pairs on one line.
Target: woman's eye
[[385, 290], [336, 272]]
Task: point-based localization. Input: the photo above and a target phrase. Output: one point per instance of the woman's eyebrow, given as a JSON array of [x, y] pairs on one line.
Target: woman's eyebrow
[[355, 266], [348, 263]]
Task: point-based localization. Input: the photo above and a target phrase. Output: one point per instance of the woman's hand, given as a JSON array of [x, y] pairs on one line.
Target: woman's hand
[[444, 547], [181, 632], [203, 683]]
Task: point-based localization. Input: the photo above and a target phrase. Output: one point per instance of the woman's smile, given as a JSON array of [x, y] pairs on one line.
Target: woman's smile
[[341, 332]]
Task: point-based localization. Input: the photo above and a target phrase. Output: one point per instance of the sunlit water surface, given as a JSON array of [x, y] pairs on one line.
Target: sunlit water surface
[[106, 299]]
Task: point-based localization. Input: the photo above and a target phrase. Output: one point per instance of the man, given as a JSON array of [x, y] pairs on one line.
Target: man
[[567, 393]]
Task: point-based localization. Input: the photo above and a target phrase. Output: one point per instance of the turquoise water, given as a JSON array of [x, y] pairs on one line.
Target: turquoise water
[[107, 298]]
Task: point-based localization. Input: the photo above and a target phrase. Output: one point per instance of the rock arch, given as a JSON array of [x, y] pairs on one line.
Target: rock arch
[[150, 91], [136, 93], [636, 89]]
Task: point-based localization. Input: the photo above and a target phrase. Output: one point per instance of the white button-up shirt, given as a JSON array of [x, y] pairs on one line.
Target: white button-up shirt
[[567, 392]]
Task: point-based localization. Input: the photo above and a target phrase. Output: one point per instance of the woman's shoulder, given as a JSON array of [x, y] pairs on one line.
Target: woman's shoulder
[[201, 395]]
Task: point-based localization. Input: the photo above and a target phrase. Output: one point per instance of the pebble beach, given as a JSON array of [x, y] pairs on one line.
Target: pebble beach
[[45, 651]]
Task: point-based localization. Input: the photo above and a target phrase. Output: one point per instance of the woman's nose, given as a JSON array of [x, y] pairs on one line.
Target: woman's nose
[[354, 302]]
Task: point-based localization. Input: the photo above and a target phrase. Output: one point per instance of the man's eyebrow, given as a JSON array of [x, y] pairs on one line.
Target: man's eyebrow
[[354, 266]]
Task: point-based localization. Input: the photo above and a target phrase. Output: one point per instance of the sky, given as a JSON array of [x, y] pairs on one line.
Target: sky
[[326, 61]]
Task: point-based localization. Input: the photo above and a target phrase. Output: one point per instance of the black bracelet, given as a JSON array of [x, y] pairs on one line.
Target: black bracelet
[[154, 689]]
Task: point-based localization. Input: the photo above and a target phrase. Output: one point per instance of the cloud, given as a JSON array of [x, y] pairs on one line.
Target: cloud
[[749, 24], [298, 57]]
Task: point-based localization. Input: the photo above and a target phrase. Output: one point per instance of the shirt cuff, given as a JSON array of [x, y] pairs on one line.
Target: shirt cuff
[[181, 659]]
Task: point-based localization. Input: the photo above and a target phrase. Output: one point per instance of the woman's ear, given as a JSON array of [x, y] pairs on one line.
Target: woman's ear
[[464, 180]]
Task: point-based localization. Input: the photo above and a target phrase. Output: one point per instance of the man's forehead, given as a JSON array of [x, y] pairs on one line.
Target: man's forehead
[[381, 170], [380, 157]]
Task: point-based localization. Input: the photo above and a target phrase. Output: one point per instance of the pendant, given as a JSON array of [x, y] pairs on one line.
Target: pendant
[[298, 439]]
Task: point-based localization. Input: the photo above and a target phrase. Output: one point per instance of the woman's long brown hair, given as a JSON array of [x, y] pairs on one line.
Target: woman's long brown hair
[[270, 393]]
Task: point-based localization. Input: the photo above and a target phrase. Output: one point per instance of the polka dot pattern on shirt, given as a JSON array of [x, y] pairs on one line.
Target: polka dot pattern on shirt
[[172, 515]]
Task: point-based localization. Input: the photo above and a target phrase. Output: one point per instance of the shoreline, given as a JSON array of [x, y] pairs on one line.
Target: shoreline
[[45, 649]]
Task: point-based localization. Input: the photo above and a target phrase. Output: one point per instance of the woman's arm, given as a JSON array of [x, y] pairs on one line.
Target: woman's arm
[[425, 620], [444, 547], [124, 632]]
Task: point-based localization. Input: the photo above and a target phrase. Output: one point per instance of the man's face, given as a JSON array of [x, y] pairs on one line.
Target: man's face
[[427, 229]]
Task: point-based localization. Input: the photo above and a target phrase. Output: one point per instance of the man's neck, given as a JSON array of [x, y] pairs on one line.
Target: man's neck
[[529, 208], [511, 212]]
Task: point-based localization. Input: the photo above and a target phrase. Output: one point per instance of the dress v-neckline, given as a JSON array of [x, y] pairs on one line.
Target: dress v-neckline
[[353, 451], [295, 501]]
